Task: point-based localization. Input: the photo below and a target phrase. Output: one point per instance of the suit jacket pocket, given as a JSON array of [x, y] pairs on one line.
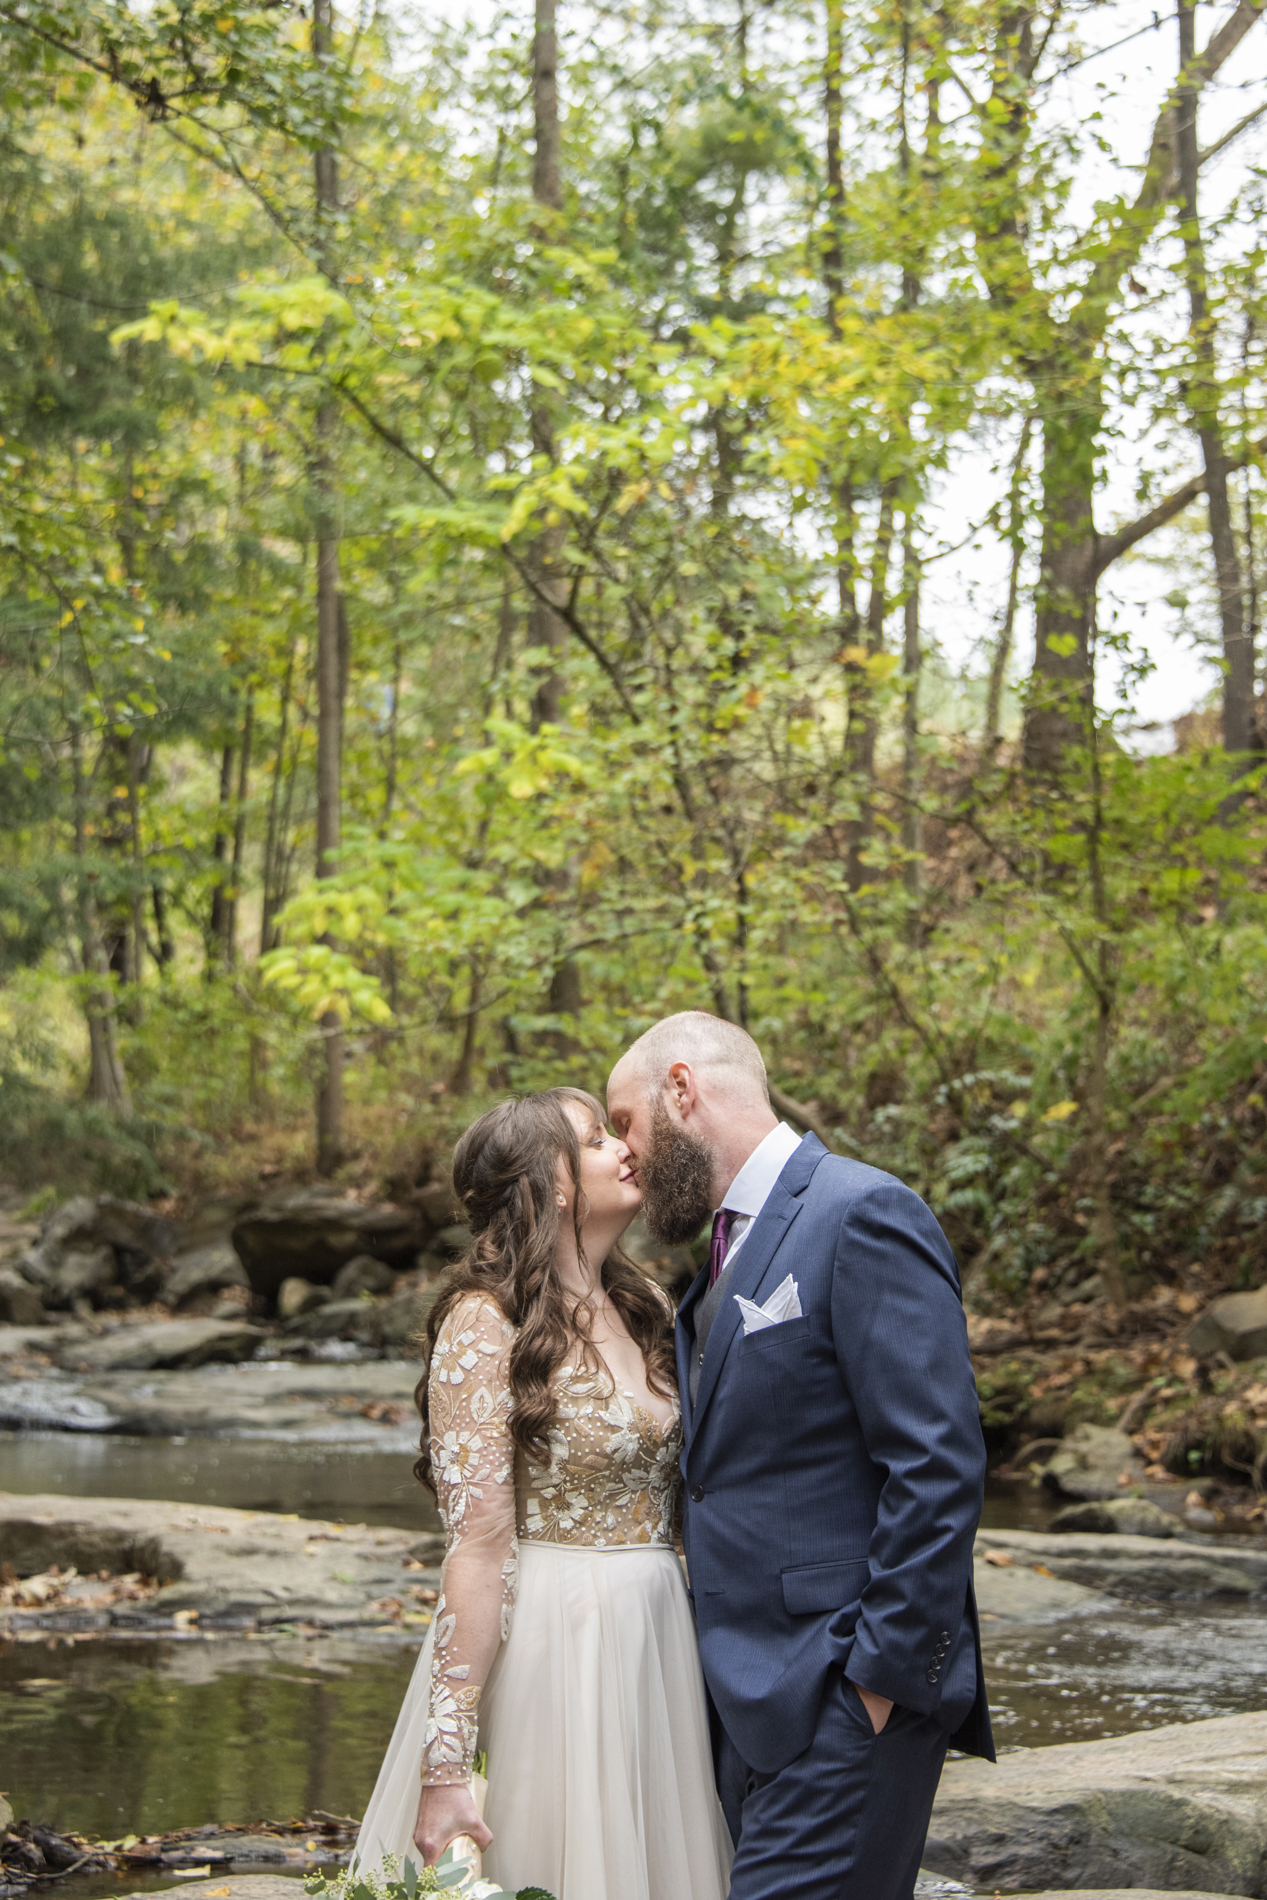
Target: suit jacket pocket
[[782, 1333], [813, 1587]]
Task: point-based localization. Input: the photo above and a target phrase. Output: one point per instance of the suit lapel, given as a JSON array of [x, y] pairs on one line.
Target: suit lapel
[[763, 1241], [684, 1336]]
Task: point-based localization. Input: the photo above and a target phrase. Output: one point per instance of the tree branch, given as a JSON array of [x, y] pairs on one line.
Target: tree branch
[[1110, 547], [566, 613], [806, 1118]]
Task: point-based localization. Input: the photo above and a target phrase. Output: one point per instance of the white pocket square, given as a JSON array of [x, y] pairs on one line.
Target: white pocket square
[[783, 1303]]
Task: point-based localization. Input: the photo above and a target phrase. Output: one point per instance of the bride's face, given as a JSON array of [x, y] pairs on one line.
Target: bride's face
[[607, 1180]]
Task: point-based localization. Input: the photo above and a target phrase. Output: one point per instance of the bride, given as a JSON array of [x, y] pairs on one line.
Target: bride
[[563, 1644]]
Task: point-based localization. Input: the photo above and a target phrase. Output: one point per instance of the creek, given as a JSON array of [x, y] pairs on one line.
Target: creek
[[129, 1735]]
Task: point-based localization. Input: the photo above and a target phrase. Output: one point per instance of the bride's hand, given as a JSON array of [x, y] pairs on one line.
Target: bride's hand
[[443, 1814]]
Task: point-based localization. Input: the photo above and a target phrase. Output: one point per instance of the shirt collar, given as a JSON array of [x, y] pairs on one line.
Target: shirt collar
[[750, 1189]]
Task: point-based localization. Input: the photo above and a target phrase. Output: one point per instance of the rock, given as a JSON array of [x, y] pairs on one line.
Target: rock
[[401, 1324], [438, 1202], [362, 1274], [1091, 1462], [451, 1242], [267, 1887], [243, 1569], [1119, 1893], [87, 1246], [1177, 1808], [368, 1403], [1136, 1516], [81, 1275], [20, 1304], [987, 1336], [203, 1270], [6, 1815], [296, 1296], [1236, 1325], [335, 1319], [172, 1342], [37, 1405], [310, 1233], [1143, 1569], [1020, 1593]]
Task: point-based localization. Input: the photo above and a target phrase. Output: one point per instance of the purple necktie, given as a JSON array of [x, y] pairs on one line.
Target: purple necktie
[[723, 1221]]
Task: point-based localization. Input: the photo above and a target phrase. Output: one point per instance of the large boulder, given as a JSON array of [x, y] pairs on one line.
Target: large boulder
[[362, 1274], [1177, 1808], [206, 1269], [165, 1343], [309, 1233], [1236, 1325], [20, 1304], [1095, 1461], [1132, 1517], [90, 1246], [296, 1296]]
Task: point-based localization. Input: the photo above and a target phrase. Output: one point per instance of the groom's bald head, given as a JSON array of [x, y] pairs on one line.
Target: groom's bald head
[[722, 1056], [690, 1102]]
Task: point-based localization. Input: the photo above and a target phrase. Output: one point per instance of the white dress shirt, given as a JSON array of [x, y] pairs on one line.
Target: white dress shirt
[[751, 1187]]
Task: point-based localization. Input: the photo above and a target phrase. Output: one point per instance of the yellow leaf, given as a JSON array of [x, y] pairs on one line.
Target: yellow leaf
[[1018, 1110], [1060, 1111]]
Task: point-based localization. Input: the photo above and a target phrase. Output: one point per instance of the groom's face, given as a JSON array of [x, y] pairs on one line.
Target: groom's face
[[675, 1171]]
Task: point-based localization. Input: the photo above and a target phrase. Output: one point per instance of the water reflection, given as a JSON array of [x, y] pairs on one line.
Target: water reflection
[[1135, 1668], [362, 1486], [143, 1736]]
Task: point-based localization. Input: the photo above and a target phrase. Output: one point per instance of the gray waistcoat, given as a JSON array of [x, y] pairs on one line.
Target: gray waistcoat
[[705, 1317]]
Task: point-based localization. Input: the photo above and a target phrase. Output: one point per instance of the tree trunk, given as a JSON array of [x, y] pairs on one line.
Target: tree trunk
[[862, 728], [1060, 698], [912, 661], [1203, 402], [330, 646], [1104, 1226], [239, 827], [135, 752], [107, 1078], [546, 628], [271, 900], [221, 906], [1007, 631]]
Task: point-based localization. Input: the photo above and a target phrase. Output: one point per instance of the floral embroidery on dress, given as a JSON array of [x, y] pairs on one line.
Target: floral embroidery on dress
[[611, 1479]]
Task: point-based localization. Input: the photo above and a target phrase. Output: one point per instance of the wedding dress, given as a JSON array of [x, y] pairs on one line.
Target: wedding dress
[[563, 1644]]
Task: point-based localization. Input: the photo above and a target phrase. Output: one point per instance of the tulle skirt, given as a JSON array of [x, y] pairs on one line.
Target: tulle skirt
[[600, 1778]]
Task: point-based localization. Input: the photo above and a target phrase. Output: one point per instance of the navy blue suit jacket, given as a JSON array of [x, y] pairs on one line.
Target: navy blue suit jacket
[[834, 1467]]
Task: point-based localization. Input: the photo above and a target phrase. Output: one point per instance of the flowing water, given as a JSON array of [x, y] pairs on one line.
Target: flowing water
[[128, 1735]]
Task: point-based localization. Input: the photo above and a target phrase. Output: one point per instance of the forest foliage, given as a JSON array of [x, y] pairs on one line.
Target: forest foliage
[[466, 507]]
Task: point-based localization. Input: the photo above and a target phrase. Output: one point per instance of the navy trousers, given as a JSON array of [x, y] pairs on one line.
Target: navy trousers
[[847, 1819]]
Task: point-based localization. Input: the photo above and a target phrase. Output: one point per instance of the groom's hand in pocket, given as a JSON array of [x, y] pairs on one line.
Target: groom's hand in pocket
[[443, 1814], [878, 1707]]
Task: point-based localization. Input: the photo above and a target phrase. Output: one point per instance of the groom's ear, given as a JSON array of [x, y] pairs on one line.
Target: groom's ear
[[681, 1089]]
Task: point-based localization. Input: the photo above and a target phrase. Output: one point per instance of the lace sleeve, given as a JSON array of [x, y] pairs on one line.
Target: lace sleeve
[[473, 1461]]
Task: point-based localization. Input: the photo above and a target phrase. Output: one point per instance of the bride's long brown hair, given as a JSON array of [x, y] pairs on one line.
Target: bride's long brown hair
[[504, 1173]]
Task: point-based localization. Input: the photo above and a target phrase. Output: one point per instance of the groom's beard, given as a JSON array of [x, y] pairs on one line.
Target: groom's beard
[[675, 1173]]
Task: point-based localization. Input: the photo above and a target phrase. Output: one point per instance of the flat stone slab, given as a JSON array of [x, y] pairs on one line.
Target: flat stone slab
[[239, 1887], [1158, 1570], [165, 1342], [220, 1568], [1018, 1593], [369, 1402], [1177, 1809]]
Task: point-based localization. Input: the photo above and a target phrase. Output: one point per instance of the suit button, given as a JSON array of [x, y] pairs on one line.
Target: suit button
[[944, 1637], [934, 1675], [697, 1494]]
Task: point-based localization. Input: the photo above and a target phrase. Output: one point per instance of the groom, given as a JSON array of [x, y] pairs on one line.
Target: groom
[[833, 1465]]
